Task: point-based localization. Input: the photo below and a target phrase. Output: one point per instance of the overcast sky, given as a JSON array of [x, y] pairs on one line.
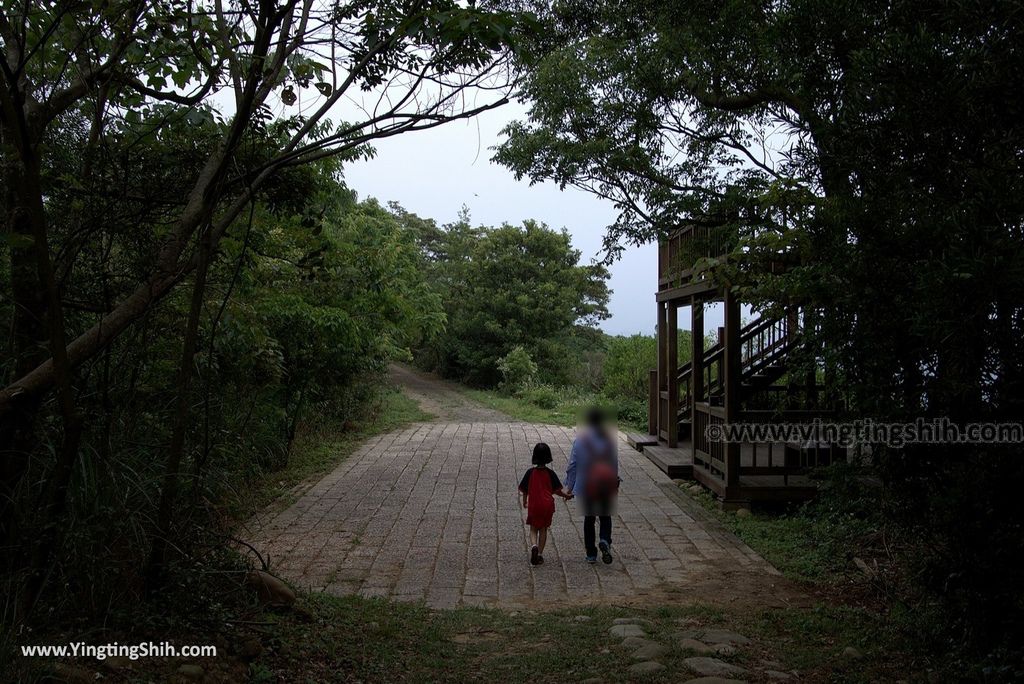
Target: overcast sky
[[434, 173]]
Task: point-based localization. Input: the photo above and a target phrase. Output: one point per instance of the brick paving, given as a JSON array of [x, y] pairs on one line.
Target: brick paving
[[431, 513]]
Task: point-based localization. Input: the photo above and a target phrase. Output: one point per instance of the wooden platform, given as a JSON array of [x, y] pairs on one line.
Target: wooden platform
[[639, 440], [676, 463], [762, 488]]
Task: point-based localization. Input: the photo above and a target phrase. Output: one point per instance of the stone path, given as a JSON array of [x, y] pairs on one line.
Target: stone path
[[431, 513], [709, 670]]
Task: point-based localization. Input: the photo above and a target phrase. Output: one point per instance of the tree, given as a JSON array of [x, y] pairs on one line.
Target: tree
[[336, 303], [262, 86], [511, 287], [133, 56]]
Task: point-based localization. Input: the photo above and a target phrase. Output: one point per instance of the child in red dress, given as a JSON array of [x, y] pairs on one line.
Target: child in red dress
[[538, 486]]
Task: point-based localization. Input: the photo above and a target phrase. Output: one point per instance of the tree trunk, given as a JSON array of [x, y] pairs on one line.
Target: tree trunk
[[28, 187], [157, 559]]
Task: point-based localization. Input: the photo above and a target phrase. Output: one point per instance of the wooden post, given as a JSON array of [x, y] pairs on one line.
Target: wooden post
[[731, 382], [792, 330], [812, 374], [662, 365], [673, 373], [652, 402], [696, 370], [697, 353]]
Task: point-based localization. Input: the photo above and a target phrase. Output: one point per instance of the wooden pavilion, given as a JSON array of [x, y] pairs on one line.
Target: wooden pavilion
[[745, 376]]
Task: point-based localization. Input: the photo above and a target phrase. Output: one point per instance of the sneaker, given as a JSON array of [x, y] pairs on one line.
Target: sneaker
[[534, 556], [591, 559], [606, 552]]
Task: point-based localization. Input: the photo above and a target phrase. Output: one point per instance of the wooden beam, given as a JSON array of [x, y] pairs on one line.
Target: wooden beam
[[699, 287], [697, 350]]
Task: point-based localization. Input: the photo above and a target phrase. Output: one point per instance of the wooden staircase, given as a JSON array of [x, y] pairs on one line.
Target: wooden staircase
[[766, 345]]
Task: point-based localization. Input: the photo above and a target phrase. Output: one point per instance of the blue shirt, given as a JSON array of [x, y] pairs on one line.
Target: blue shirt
[[584, 447]]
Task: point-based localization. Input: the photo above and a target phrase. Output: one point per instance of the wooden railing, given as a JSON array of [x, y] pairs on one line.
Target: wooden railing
[[680, 251], [779, 458], [764, 347], [762, 343], [708, 453], [779, 400]]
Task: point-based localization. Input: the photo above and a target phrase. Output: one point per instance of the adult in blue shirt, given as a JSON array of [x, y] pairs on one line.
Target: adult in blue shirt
[[593, 477]]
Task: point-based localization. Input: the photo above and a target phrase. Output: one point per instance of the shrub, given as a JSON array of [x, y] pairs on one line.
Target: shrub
[[543, 396], [517, 369], [627, 365], [629, 361], [629, 411]]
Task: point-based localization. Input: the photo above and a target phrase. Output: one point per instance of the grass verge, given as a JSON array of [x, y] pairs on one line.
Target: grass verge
[[555, 408], [812, 543], [355, 639], [565, 413], [323, 443]]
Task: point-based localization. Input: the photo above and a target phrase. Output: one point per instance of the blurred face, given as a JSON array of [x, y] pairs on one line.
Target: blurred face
[[596, 417]]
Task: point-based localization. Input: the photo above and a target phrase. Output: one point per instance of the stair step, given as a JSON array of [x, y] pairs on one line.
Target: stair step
[[638, 440], [676, 463]]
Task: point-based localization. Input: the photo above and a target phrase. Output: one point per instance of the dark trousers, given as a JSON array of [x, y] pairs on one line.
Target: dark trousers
[[588, 532]]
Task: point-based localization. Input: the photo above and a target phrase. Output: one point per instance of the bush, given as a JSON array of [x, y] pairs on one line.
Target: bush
[[543, 396], [629, 361], [517, 369], [629, 411], [627, 365]]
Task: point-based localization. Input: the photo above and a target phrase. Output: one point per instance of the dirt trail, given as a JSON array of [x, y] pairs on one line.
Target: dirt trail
[[443, 398]]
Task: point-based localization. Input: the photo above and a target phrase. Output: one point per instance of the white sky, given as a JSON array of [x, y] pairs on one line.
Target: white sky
[[434, 173]]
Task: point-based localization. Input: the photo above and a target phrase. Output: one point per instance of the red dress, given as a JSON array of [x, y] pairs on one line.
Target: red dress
[[539, 484]]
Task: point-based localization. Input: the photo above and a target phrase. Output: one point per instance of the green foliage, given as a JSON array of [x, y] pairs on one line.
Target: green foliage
[[517, 369], [327, 437], [815, 542], [629, 360], [320, 311], [312, 295], [542, 396], [169, 167], [627, 365], [504, 288]]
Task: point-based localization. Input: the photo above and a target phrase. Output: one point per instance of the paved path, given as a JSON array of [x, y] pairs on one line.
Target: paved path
[[431, 513]]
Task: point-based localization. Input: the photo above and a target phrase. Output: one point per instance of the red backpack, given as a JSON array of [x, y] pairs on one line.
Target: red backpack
[[602, 481]]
